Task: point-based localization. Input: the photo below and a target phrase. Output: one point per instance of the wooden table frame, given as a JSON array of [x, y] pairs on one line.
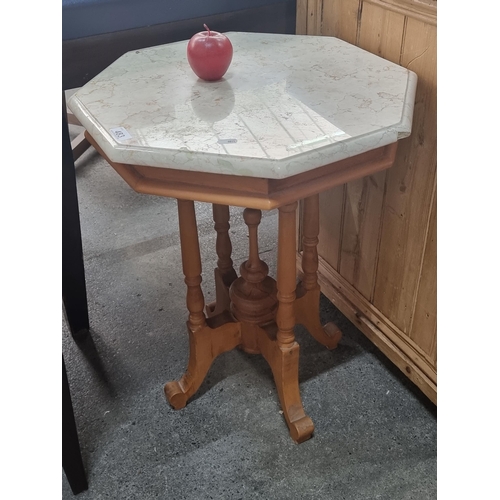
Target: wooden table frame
[[253, 312]]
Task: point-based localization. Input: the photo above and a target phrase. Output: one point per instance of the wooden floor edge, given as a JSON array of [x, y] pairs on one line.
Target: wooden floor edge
[[392, 351]]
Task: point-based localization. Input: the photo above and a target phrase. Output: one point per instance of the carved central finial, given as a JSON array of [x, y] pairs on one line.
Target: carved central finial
[[253, 294]]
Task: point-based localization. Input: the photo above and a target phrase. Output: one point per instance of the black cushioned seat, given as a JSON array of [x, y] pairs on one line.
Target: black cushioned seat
[[82, 18], [97, 32]]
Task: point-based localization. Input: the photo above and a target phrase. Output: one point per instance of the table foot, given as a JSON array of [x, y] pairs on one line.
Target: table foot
[[307, 314], [176, 395], [219, 335], [284, 363]]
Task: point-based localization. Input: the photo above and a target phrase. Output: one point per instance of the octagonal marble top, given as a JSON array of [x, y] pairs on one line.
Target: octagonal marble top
[[288, 104]]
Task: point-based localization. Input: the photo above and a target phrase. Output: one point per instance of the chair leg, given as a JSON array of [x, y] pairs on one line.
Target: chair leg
[[72, 119], [79, 144], [73, 274], [71, 455]]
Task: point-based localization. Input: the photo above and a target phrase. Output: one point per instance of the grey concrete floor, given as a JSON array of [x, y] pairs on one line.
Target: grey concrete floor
[[375, 433]]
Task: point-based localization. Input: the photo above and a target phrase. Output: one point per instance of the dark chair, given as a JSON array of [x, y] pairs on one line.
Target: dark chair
[[74, 296]]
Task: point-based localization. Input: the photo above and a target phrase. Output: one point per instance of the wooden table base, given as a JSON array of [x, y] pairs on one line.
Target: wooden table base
[[253, 312]]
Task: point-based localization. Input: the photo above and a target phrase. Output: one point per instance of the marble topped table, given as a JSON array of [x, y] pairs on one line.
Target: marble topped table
[[293, 116]]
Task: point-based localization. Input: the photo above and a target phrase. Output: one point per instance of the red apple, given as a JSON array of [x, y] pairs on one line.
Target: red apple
[[209, 54]]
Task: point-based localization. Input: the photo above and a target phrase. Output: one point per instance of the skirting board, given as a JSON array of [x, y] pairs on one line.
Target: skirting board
[[379, 330]]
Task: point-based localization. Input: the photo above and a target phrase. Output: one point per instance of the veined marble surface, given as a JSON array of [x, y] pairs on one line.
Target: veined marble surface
[[288, 104]]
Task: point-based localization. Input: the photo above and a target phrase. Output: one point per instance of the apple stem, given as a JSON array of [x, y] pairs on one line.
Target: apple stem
[[207, 28]]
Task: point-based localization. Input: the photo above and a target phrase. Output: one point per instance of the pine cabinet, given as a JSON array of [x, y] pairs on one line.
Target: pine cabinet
[[377, 247]]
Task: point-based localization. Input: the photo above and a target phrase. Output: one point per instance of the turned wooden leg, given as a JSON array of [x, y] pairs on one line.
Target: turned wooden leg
[[307, 303], [284, 358], [206, 339], [224, 272], [191, 263]]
